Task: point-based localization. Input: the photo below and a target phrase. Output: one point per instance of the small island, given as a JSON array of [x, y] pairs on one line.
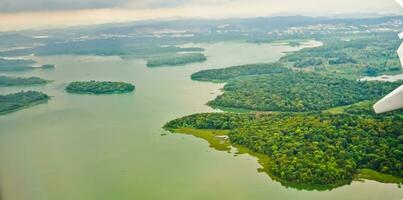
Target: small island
[[174, 60], [48, 66], [99, 87], [17, 81], [13, 102]]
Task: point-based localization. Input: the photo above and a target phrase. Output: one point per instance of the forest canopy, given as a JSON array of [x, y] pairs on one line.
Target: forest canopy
[[176, 59], [298, 92], [18, 81], [99, 87], [16, 101], [312, 148], [224, 74]]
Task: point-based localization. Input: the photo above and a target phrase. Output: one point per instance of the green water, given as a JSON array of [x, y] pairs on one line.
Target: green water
[[85, 147]]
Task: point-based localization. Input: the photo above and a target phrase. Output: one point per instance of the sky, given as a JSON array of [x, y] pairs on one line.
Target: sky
[[26, 14]]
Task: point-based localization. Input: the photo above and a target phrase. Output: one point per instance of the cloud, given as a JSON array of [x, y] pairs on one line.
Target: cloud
[[150, 4], [86, 12], [175, 3], [45, 5], [9, 6]]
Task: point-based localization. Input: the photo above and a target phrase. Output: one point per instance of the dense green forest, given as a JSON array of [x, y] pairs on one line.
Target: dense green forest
[[15, 65], [16, 101], [365, 108], [224, 74], [99, 87], [313, 148], [17, 81], [298, 92], [177, 59]]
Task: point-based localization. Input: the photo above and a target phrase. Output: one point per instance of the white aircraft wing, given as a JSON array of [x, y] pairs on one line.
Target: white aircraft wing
[[394, 100]]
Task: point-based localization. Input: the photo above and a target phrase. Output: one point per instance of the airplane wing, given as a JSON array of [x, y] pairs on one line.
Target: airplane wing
[[394, 100]]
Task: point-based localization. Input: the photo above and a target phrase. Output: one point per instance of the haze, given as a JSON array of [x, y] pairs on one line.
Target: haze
[[20, 14]]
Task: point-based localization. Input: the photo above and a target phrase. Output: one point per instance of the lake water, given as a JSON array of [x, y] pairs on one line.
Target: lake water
[[110, 146]]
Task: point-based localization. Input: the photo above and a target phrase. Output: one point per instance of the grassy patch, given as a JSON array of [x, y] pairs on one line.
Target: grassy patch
[[217, 139], [377, 176]]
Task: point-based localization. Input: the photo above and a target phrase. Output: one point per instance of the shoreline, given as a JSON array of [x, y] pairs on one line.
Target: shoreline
[[212, 137]]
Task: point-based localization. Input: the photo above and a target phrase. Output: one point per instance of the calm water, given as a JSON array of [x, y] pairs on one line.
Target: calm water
[[110, 147]]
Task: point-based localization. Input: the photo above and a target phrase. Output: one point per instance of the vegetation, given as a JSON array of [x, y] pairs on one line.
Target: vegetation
[[365, 108], [337, 64], [99, 87], [377, 176], [216, 138], [313, 148], [224, 74], [298, 92], [308, 62], [13, 102], [173, 60], [15, 81], [48, 66], [362, 55]]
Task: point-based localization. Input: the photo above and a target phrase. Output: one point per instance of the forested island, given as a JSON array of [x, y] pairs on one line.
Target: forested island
[[177, 59], [99, 87], [313, 150], [48, 66], [18, 81], [225, 74], [13, 102]]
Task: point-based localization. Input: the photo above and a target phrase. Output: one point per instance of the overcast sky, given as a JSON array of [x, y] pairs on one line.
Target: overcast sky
[[19, 14]]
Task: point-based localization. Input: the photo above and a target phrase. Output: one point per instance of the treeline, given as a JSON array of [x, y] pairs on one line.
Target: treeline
[[298, 92], [224, 74], [16, 101], [178, 59], [17, 81], [365, 108], [99, 87], [312, 148]]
